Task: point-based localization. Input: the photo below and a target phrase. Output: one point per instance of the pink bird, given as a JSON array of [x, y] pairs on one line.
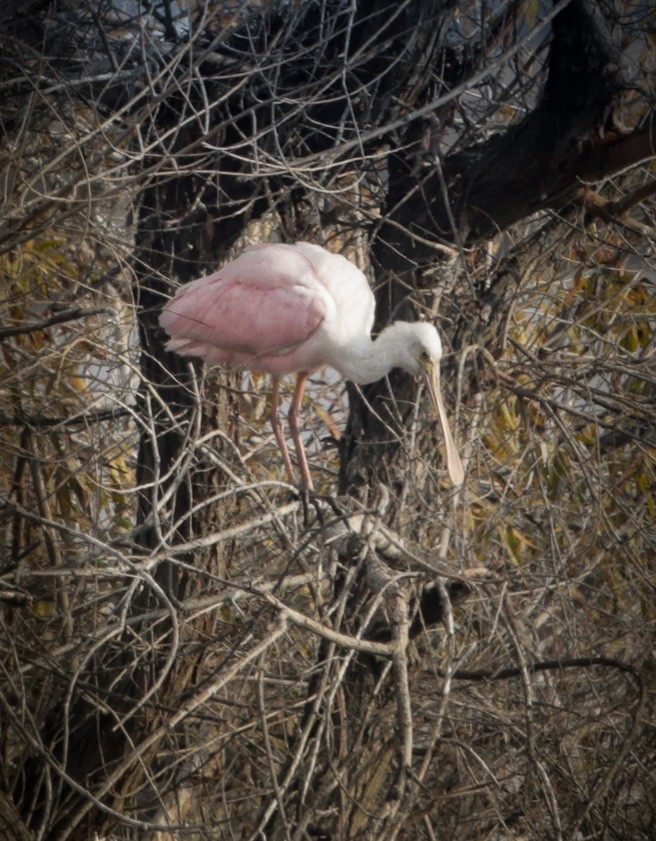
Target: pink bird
[[288, 309]]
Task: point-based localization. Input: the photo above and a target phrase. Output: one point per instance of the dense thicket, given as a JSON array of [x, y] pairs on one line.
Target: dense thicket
[[188, 649]]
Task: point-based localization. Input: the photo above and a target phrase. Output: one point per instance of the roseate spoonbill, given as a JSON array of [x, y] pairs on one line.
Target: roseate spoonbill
[[288, 309]]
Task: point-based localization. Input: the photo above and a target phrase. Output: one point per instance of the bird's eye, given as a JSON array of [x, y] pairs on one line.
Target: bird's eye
[[424, 357]]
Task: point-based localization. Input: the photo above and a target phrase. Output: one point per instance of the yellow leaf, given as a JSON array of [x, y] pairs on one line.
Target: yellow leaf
[[43, 607], [531, 12], [327, 418]]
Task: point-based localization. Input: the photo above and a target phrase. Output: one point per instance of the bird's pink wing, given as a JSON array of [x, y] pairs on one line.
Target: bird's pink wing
[[267, 302]]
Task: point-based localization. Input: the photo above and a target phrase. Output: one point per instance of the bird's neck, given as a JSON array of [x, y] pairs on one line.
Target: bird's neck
[[371, 359]]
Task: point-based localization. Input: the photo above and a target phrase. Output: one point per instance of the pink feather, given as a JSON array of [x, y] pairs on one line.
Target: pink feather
[[254, 312]]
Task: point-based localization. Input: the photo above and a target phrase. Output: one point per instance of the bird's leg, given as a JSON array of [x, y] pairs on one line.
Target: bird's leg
[[306, 479], [274, 417]]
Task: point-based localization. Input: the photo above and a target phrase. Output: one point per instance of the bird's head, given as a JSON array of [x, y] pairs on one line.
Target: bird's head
[[422, 345], [416, 348], [426, 353]]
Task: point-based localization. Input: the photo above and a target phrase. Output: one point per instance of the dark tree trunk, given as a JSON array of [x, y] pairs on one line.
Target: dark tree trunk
[[540, 163]]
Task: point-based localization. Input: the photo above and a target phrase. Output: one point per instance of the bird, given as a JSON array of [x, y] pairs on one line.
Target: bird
[[292, 309]]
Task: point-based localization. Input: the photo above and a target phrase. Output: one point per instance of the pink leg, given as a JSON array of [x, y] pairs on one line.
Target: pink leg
[[306, 479], [274, 416]]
